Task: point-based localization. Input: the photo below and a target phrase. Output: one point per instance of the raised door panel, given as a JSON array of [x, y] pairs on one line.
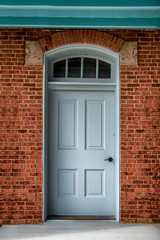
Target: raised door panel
[[67, 182], [95, 124], [67, 120], [94, 183]]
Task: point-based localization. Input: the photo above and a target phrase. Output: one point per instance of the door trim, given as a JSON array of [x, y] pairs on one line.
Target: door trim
[[72, 86]]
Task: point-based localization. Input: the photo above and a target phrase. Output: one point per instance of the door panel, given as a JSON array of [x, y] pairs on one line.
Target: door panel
[[94, 183], [81, 136], [95, 113], [69, 177], [67, 124]]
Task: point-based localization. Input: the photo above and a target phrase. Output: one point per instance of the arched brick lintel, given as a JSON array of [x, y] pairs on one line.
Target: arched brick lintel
[[81, 36]]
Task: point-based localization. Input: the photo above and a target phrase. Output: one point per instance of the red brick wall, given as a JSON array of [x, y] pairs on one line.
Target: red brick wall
[[21, 123]]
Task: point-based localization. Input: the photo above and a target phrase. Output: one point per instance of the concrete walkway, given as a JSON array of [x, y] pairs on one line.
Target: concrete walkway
[[81, 230]]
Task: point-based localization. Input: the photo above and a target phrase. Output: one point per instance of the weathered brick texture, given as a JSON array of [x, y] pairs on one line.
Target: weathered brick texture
[[21, 122]]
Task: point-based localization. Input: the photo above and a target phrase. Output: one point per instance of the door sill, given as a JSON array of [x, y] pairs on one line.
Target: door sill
[[92, 218]]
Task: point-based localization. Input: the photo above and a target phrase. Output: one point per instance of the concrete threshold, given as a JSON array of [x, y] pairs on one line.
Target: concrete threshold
[[80, 230]]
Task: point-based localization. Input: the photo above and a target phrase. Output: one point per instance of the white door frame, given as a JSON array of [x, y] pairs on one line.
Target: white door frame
[[68, 50]]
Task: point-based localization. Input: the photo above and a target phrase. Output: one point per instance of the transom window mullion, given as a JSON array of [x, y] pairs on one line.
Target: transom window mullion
[[82, 60], [97, 68], [66, 68]]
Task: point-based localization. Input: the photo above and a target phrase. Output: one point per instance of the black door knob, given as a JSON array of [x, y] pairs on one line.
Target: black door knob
[[110, 159]]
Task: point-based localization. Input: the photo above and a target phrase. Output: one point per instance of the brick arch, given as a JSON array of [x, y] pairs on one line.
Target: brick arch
[[81, 36]]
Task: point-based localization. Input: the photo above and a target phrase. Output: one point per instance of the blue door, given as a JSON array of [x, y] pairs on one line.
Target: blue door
[[81, 153]]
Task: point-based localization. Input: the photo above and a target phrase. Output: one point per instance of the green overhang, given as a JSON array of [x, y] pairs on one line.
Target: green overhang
[[117, 14]]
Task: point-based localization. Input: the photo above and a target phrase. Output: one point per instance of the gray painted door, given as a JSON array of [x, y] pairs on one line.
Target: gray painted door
[[81, 137]]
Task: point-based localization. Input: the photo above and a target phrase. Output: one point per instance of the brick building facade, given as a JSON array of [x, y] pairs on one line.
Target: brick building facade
[[21, 121]]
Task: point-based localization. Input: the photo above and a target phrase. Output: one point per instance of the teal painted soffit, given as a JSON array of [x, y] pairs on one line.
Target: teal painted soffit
[[122, 14]]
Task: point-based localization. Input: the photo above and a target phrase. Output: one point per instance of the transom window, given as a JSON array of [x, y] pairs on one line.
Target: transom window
[[81, 67]]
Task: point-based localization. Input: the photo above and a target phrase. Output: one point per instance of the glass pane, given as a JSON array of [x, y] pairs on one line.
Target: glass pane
[[59, 69], [104, 70], [89, 68], [74, 67]]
